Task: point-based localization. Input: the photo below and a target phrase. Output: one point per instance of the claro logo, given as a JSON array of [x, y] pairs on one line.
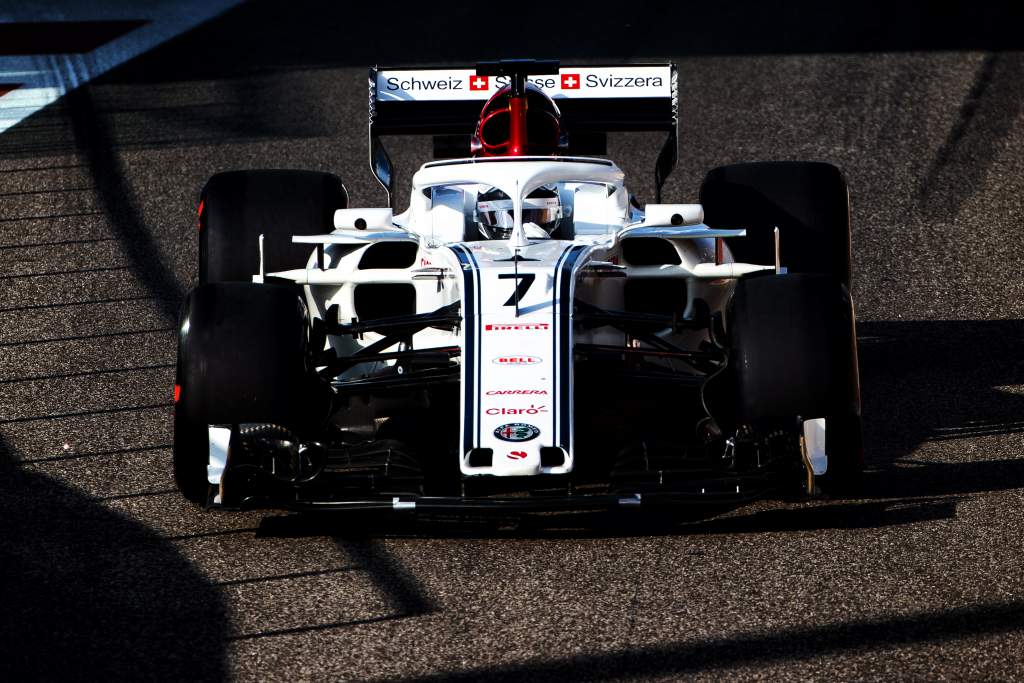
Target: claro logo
[[532, 410], [517, 360]]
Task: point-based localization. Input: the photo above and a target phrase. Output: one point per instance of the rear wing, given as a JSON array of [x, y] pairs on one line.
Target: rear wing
[[594, 100]]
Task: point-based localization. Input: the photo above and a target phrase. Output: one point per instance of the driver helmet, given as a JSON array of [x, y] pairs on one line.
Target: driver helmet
[[542, 212], [543, 125]]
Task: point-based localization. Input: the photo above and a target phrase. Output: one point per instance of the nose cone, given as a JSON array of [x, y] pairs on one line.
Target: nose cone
[[516, 460]]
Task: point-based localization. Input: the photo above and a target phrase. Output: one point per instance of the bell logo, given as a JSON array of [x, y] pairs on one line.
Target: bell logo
[[570, 81], [479, 82], [517, 360]]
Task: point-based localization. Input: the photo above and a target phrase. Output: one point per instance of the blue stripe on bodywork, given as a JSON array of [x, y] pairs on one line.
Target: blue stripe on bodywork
[[560, 343], [469, 307], [479, 326]]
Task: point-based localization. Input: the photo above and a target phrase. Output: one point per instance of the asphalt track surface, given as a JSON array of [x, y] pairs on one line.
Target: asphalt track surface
[[105, 572]]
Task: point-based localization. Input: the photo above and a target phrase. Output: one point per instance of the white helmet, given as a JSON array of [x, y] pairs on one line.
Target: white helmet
[[495, 216]]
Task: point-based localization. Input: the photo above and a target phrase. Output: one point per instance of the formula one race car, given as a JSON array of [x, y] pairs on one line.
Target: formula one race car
[[525, 335]]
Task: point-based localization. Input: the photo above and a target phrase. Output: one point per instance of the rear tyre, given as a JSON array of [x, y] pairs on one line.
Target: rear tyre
[[238, 206], [242, 357], [809, 203]]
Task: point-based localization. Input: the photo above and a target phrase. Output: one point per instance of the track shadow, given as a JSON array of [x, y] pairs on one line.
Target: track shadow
[[403, 592], [807, 516], [940, 381], [96, 145], [88, 594], [308, 34], [788, 645]]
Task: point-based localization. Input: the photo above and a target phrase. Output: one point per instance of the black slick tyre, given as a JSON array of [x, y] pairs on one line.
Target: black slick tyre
[[809, 203], [236, 207], [242, 357], [790, 350]]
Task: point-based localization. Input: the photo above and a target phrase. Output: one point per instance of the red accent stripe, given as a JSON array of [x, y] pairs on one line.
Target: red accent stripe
[[517, 126], [199, 220], [177, 393], [8, 87], [60, 37]]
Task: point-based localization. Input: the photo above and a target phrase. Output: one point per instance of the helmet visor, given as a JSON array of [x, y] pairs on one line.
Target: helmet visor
[[497, 218]]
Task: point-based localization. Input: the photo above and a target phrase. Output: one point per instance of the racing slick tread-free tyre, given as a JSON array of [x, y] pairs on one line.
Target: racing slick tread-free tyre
[[808, 201], [793, 353], [810, 204], [236, 207], [790, 347], [242, 357]]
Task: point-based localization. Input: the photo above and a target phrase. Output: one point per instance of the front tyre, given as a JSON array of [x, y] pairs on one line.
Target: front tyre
[[243, 357], [792, 354]]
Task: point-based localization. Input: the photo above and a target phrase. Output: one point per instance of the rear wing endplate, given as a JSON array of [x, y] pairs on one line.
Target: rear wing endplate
[[594, 100]]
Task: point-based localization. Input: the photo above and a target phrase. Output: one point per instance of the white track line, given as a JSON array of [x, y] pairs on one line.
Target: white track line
[[45, 78]]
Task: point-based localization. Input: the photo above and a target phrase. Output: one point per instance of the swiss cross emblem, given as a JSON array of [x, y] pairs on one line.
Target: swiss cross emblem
[[479, 82], [570, 81]]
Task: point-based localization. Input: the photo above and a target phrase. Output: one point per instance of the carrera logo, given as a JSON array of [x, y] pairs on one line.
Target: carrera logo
[[516, 327], [518, 392], [570, 81], [532, 410], [394, 84], [595, 81], [479, 82], [517, 360], [516, 431], [516, 455]]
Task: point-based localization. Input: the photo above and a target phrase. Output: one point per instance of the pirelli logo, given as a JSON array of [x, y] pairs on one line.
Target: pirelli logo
[[510, 327]]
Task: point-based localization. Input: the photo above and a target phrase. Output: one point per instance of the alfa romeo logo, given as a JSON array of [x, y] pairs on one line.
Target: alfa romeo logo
[[516, 431]]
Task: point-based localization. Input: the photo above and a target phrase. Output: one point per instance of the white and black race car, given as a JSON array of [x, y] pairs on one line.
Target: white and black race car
[[524, 336]]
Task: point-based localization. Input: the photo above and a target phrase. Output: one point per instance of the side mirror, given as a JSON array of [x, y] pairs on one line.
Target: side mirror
[[673, 214], [364, 219]]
